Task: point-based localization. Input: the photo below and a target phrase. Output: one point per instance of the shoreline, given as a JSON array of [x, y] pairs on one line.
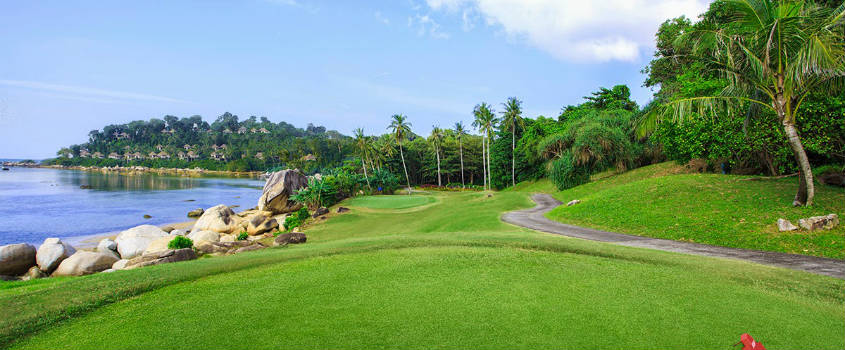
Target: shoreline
[[89, 242], [133, 170]]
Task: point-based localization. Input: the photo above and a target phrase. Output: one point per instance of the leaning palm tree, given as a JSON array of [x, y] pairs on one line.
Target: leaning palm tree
[[400, 128], [772, 54], [363, 147], [485, 121], [459, 134], [436, 140], [511, 119]]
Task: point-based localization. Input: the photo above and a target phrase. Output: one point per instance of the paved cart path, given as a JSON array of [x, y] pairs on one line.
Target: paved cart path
[[534, 219]]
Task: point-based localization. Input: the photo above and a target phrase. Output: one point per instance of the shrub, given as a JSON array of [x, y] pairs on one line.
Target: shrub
[[242, 236], [180, 242], [291, 221], [303, 214]]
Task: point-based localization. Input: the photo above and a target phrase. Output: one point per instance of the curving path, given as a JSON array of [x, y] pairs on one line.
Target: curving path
[[534, 219]]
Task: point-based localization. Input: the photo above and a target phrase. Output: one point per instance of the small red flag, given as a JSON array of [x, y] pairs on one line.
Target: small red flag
[[748, 343]]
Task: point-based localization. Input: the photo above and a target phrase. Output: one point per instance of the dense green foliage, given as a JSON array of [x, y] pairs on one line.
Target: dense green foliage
[[430, 277], [180, 242], [242, 236]]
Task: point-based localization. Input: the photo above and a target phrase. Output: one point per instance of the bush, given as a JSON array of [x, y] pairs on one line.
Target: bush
[[303, 214], [243, 236], [291, 221], [180, 242]]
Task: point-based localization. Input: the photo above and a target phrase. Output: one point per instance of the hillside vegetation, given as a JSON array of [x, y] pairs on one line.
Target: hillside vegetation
[[443, 272], [664, 201]]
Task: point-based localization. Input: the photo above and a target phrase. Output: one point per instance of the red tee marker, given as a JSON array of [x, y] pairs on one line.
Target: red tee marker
[[748, 343]]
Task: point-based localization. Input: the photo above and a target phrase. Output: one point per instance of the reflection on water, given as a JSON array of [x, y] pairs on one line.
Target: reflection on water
[[40, 203]]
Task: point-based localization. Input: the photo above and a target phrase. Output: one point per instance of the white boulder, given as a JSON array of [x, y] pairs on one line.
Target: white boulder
[[134, 241], [51, 253], [85, 263], [218, 218]]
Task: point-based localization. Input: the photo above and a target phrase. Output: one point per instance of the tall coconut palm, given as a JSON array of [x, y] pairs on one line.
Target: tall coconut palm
[[459, 134], [400, 128], [436, 140], [511, 119], [772, 54], [362, 143], [485, 121]]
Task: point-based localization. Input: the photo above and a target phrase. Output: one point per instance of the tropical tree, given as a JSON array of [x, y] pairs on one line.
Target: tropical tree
[[511, 118], [772, 54], [436, 140], [363, 144], [485, 121], [400, 128], [459, 134]]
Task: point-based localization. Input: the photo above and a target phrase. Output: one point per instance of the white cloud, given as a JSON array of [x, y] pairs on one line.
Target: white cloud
[[425, 25], [86, 92], [577, 30], [381, 18]]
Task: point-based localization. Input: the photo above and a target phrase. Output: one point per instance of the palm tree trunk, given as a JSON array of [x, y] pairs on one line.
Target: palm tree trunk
[[484, 160], [408, 180], [461, 147], [513, 154], [438, 168], [364, 165], [806, 188], [489, 169]]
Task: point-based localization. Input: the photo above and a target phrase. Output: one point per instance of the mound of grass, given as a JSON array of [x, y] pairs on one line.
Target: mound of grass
[[448, 275], [390, 202], [722, 210]]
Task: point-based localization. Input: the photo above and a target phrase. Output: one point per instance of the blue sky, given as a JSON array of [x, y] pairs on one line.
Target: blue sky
[[68, 67]]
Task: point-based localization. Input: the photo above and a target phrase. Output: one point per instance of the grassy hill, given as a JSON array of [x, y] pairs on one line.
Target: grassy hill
[[664, 201], [433, 271]]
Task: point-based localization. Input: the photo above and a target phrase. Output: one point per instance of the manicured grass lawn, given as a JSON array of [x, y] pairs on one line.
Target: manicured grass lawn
[[705, 208], [446, 275], [391, 202]]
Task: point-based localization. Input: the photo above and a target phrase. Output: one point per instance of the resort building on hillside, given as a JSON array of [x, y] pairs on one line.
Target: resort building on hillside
[[163, 155], [97, 155], [152, 155], [181, 155], [259, 155], [187, 147], [114, 155], [242, 130], [218, 155], [264, 131], [166, 131], [83, 153], [159, 147], [120, 135], [192, 156], [227, 131]]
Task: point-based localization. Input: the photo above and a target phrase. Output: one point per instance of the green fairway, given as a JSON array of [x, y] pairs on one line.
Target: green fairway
[[445, 275], [390, 202], [713, 209]]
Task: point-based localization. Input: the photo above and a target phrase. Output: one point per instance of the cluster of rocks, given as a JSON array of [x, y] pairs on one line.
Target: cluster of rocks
[[215, 232], [824, 222]]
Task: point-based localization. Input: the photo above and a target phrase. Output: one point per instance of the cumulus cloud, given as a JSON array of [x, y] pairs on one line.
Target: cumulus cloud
[[425, 25], [577, 30]]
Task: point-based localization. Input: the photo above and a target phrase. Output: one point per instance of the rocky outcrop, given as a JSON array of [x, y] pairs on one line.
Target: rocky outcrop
[[51, 253], [290, 238], [33, 273], [85, 263], [178, 232], [134, 241], [785, 225], [826, 222], [196, 213], [342, 209], [278, 189], [168, 256], [259, 223], [120, 264], [204, 236], [249, 248], [221, 247], [218, 218], [16, 259], [108, 246]]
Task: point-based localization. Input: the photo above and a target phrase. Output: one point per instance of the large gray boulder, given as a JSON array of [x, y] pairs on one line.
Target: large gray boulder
[[158, 246], [259, 224], [278, 189], [16, 259], [785, 225], [218, 218], [51, 253], [204, 236], [85, 263], [290, 238], [134, 241]]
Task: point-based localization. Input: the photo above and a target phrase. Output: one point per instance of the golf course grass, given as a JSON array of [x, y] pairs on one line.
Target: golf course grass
[[390, 202], [724, 210], [448, 274]]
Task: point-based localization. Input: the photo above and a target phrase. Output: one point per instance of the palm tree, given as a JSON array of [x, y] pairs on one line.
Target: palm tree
[[436, 140], [485, 121], [459, 133], [362, 143], [772, 54], [511, 118], [400, 128]]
